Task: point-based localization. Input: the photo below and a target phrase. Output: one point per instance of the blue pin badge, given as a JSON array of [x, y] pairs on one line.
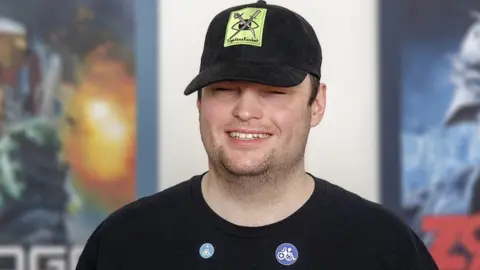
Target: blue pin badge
[[206, 250], [286, 254]]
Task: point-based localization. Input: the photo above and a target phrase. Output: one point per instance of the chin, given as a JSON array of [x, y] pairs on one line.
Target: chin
[[242, 164], [245, 167], [245, 172]]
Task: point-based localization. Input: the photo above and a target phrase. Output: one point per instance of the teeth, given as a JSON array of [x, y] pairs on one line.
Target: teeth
[[248, 136]]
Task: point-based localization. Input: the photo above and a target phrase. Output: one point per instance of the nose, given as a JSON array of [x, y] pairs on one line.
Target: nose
[[248, 106]]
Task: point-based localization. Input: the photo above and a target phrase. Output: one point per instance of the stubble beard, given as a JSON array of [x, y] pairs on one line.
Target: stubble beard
[[267, 174], [262, 171]]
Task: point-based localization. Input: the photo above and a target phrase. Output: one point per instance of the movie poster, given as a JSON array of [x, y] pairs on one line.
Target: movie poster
[[68, 85], [431, 124]]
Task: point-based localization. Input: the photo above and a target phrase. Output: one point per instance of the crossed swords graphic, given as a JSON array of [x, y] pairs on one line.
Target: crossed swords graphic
[[245, 23]]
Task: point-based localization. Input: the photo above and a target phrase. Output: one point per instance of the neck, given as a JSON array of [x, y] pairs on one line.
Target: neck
[[257, 200]]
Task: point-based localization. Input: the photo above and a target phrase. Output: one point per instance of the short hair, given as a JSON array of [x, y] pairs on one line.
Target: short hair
[[314, 82]]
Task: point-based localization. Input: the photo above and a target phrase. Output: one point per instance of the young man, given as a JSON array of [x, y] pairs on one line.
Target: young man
[[259, 93]]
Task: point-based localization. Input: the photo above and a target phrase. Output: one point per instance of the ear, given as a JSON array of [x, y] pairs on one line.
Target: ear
[[318, 106]]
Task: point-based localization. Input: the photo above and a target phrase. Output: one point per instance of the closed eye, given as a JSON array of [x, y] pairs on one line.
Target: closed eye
[[276, 92], [222, 89]]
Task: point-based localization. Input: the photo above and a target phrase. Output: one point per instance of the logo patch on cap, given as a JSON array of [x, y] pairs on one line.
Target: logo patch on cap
[[245, 27]]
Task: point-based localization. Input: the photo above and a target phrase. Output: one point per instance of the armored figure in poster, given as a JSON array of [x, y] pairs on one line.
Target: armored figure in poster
[[67, 120], [33, 193], [458, 195]]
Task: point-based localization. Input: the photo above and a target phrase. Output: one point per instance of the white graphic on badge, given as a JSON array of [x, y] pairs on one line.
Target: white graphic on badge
[[286, 254], [207, 250]]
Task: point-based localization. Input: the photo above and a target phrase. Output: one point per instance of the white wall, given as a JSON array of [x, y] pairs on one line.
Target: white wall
[[342, 149]]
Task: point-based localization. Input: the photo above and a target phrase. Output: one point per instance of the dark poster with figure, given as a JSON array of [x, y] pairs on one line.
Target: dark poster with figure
[[71, 74], [430, 123]]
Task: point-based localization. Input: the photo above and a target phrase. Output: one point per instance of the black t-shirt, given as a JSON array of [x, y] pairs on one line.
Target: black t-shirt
[[175, 229]]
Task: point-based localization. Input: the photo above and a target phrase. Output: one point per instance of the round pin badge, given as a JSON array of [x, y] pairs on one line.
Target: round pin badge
[[286, 254], [207, 250]]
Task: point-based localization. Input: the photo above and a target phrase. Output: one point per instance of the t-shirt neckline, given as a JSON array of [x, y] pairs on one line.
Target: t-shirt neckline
[[206, 214]]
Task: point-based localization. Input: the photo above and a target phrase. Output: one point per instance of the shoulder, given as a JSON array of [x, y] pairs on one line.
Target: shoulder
[[166, 203], [349, 205], [159, 212], [376, 229], [158, 215]]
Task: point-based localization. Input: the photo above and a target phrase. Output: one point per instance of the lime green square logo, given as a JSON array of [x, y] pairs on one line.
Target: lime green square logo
[[245, 27]]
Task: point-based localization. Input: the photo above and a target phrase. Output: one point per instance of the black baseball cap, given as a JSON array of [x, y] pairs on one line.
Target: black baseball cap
[[260, 43]]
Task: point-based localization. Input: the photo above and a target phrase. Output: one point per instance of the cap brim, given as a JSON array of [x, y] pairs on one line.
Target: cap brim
[[274, 75]]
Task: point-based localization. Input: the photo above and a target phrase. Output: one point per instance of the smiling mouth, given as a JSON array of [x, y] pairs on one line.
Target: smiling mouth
[[248, 136]]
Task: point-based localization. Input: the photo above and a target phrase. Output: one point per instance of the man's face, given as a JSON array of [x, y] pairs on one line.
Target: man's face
[[248, 129]]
